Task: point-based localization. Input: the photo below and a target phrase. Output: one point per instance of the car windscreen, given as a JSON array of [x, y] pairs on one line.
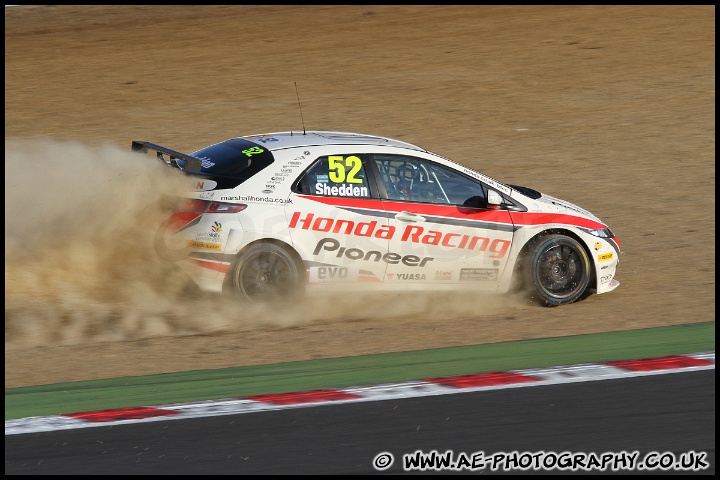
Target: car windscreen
[[233, 161]]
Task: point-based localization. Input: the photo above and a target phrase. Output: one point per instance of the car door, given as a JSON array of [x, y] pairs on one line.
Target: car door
[[445, 231], [337, 222]]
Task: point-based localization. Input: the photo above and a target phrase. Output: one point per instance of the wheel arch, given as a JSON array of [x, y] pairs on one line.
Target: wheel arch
[[526, 250], [272, 241]]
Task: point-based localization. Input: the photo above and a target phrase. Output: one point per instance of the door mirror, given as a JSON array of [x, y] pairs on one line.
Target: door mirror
[[494, 199]]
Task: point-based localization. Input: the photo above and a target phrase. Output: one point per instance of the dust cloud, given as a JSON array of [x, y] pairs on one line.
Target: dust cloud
[[80, 266]]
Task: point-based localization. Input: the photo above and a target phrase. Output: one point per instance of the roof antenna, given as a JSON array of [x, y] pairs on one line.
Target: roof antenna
[[301, 115]]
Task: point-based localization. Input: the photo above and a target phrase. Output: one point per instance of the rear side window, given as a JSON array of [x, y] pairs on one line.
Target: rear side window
[[336, 176], [232, 162]]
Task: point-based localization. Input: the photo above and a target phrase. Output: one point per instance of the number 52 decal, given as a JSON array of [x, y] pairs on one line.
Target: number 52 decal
[[252, 151], [337, 166]]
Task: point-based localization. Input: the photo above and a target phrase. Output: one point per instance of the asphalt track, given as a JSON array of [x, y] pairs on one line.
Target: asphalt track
[[664, 413]]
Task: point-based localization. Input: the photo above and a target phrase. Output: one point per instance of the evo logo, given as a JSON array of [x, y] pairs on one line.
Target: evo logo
[[332, 274]]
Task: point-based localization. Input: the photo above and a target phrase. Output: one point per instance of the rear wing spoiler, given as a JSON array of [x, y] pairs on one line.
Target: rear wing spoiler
[[170, 157]]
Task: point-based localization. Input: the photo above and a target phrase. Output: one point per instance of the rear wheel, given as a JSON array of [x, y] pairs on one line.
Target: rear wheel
[[266, 272], [558, 270]]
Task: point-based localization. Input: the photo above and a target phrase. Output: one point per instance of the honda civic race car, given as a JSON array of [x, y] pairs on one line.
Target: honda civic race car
[[270, 216]]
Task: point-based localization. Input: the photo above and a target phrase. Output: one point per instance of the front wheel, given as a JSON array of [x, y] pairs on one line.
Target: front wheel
[[266, 272], [558, 270]]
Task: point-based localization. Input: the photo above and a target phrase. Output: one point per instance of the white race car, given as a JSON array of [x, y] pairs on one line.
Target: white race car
[[270, 216]]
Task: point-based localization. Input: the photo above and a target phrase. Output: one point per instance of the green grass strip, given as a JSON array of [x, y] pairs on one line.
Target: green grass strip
[[363, 370]]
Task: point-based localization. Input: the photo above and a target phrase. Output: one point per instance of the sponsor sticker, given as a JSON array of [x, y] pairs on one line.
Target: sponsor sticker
[[210, 237], [406, 276], [204, 185], [479, 274], [443, 275], [605, 257], [495, 248], [332, 245], [213, 247], [206, 163], [333, 274], [254, 199], [598, 245], [488, 180], [263, 138]]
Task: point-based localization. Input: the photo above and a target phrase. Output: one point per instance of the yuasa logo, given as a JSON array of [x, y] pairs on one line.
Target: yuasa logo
[[410, 276]]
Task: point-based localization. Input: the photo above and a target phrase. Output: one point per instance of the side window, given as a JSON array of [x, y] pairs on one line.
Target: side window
[[418, 180], [399, 175], [336, 176]]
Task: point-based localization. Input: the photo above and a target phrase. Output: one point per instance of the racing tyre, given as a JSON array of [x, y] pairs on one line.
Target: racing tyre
[[558, 270], [266, 272]]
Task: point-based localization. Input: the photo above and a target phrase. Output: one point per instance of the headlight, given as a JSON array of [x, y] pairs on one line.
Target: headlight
[[602, 233]]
